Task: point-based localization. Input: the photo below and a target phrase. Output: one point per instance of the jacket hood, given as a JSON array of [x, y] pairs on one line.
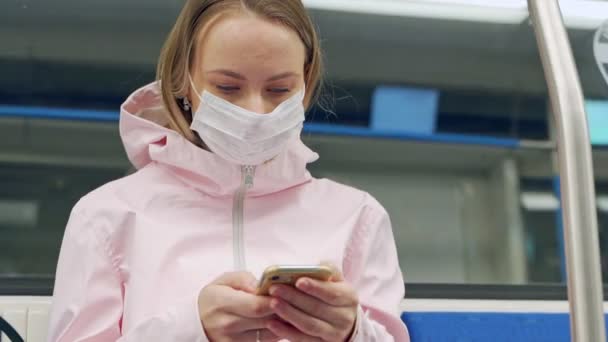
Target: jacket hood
[[147, 139]]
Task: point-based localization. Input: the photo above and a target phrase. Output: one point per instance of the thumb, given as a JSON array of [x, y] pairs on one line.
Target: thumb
[[243, 281]]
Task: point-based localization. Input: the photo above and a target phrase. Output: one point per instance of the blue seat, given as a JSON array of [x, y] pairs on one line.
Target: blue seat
[[494, 327]]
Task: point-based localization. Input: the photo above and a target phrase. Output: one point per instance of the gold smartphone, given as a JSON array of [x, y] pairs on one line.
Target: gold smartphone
[[288, 275]]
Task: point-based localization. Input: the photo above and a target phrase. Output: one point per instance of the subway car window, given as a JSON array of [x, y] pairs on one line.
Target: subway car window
[[441, 114]]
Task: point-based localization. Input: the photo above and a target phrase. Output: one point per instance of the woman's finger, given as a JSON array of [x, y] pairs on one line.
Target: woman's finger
[[310, 305], [244, 281], [333, 293], [244, 304], [284, 331], [303, 322]]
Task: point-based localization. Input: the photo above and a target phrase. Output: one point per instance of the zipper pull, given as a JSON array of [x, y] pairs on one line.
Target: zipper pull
[[248, 172]]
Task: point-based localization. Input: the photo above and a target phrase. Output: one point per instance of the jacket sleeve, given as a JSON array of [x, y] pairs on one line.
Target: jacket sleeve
[[88, 294], [372, 267]]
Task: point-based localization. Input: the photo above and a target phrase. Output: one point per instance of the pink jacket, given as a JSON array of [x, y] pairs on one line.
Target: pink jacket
[[137, 251]]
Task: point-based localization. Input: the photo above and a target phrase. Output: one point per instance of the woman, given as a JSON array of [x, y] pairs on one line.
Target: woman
[[171, 252]]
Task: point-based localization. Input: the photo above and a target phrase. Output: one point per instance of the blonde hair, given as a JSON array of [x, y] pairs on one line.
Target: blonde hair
[[176, 58]]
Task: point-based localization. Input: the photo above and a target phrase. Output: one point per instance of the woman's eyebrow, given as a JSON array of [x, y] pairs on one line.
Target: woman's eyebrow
[[238, 76], [282, 76], [228, 73]]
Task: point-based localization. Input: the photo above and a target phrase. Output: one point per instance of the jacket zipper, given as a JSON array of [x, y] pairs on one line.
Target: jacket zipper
[[238, 207]]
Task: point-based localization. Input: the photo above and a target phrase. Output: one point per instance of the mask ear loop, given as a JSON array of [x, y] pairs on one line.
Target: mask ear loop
[[194, 87], [186, 104]]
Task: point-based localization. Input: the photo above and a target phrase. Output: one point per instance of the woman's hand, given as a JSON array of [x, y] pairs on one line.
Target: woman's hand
[[230, 311], [314, 310]]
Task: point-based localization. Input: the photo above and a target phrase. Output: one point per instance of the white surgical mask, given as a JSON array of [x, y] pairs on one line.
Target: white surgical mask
[[244, 137]]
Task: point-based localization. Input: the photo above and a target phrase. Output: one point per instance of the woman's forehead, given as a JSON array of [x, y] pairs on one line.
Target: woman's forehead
[[243, 41]]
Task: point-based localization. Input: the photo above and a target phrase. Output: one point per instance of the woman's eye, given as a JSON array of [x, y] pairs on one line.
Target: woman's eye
[[227, 89], [279, 90]]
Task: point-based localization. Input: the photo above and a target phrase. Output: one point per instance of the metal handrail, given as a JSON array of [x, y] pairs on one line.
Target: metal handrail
[[576, 173]]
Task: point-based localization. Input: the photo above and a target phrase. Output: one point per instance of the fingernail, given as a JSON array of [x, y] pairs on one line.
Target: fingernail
[[302, 284], [273, 291]]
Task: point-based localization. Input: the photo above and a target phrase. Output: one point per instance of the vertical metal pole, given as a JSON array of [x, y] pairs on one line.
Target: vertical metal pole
[[576, 173]]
